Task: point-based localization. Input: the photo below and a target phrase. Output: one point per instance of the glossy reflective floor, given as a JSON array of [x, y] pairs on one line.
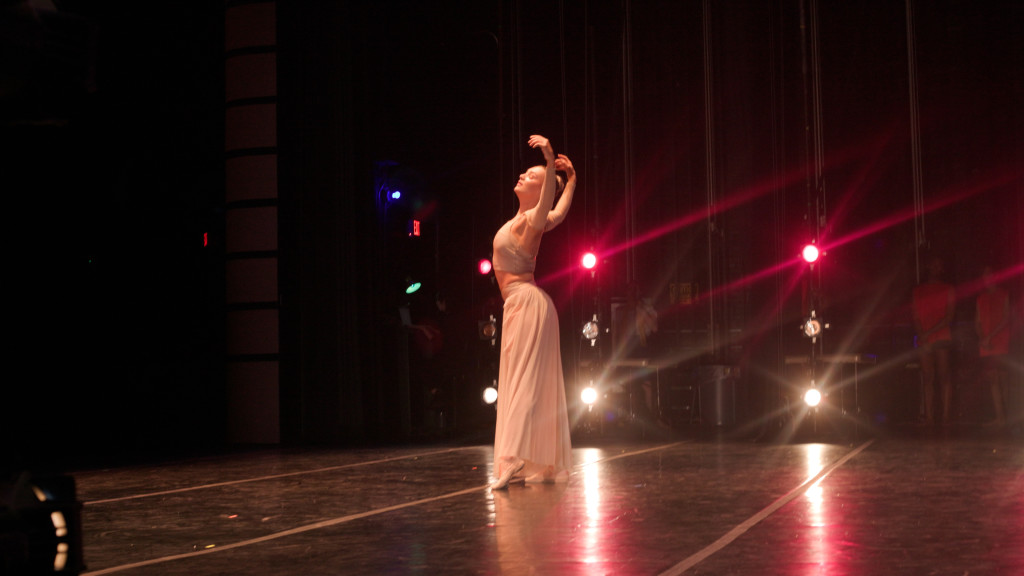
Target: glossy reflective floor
[[899, 502]]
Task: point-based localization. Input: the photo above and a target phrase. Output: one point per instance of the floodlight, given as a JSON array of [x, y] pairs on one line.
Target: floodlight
[[810, 253], [812, 397], [591, 330], [589, 395], [490, 395]]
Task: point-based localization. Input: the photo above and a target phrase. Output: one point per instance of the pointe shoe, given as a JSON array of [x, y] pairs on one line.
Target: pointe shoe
[[545, 477], [548, 476], [506, 476]]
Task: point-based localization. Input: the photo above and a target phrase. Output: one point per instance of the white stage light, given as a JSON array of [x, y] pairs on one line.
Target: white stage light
[[812, 397], [490, 395], [591, 330], [589, 395]]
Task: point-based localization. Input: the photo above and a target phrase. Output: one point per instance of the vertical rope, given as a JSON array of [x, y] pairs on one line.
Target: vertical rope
[[561, 53], [819, 145], [588, 117], [591, 211], [813, 156], [499, 40], [915, 142], [709, 143], [517, 66], [778, 154], [627, 139], [805, 74], [564, 145], [819, 163]]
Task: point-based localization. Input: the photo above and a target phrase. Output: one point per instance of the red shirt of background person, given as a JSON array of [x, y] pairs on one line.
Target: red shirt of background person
[[933, 303], [992, 322], [992, 318], [933, 307]]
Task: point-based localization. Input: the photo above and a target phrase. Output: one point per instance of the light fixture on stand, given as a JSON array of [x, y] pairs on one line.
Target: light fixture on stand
[[589, 396], [812, 396], [488, 329], [591, 330], [812, 327], [491, 393]]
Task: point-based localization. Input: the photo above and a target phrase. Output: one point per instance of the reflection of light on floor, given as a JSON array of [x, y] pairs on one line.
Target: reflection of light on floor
[[592, 502], [491, 510], [816, 500], [818, 549], [814, 455], [587, 456]]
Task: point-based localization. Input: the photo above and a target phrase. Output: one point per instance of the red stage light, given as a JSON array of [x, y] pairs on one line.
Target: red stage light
[[589, 260], [484, 266], [810, 253]]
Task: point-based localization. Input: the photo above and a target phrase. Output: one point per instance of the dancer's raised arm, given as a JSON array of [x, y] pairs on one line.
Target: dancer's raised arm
[[559, 212], [538, 216]]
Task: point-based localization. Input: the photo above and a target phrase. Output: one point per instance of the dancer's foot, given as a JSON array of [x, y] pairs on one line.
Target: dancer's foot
[[511, 469], [549, 475]]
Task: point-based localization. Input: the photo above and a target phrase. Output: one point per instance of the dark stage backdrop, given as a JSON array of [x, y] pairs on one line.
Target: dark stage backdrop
[[692, 126], [669, 109]]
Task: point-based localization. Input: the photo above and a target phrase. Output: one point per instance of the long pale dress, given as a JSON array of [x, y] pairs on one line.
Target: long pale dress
[[532, 419]]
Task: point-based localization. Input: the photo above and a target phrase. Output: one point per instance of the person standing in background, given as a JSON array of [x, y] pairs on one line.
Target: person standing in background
[[933, 307], [992, 322]]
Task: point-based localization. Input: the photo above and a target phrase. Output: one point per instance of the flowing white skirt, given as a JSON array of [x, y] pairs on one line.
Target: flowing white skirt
[[532, 419]]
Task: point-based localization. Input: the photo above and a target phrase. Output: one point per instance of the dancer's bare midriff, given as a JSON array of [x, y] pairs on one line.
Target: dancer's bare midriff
[[506, 279]]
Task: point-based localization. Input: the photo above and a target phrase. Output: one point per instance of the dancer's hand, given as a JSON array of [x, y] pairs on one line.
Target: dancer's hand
[[538, 141], [565, 165]]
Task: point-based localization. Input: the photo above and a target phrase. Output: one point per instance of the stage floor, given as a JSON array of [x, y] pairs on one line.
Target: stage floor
[[917, 503]]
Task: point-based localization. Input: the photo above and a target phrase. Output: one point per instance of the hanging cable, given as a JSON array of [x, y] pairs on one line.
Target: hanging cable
[[920, 239], [819, 168], [813, 153], [778, 161], [564, 145], [582, 195], [627, 139], [808, 159], [819, 144], [498, 39], [588, 116], [518, 137], [709, 143]]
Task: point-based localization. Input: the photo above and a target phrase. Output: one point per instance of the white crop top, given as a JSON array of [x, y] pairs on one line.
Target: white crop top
[[508, 255]]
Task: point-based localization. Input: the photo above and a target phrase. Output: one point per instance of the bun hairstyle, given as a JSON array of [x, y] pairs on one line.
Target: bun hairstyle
[[559, 181]]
